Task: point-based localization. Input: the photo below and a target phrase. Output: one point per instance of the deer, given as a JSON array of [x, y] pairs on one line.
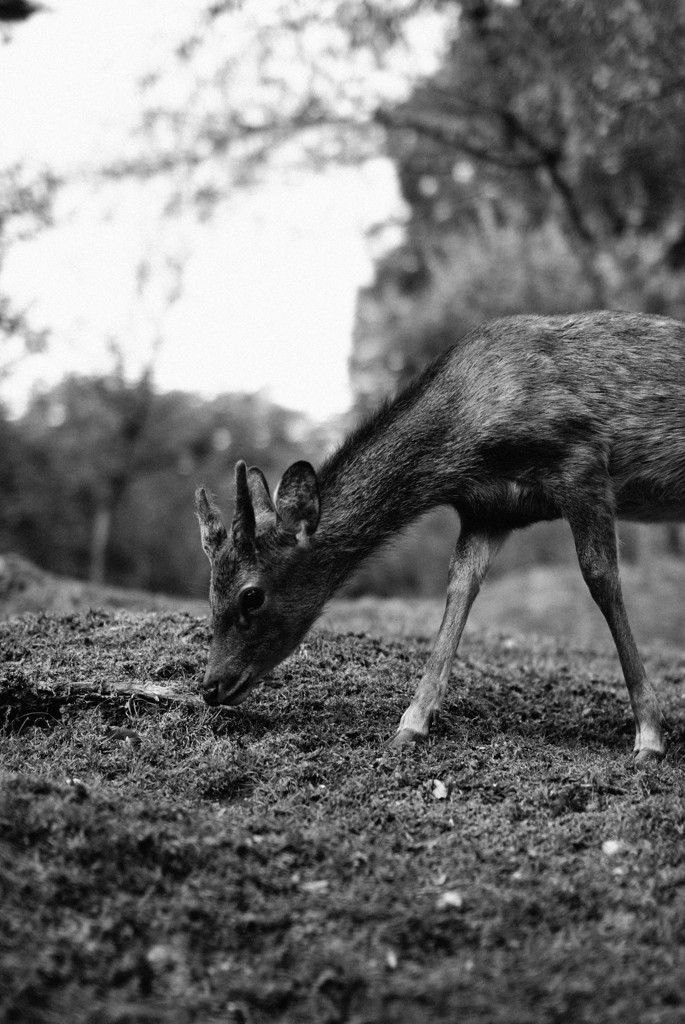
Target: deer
[[526, 418]]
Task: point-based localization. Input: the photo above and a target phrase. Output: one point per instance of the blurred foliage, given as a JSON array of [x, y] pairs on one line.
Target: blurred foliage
[[266, 87], [574, 109], [25, 208], [542, 169], [95, 443], [541, 162], [17, 10], [542, 166], [419, 305]]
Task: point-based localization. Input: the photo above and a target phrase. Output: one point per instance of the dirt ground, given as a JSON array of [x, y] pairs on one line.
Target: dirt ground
[[163, 861]]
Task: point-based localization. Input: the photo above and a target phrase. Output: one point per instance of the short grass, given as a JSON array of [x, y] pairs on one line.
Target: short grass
[[162, 861]]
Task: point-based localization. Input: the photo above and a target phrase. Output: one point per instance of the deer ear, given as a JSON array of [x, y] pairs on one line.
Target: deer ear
[[212, 530], [259, 493], [297, 501], [243, 525]]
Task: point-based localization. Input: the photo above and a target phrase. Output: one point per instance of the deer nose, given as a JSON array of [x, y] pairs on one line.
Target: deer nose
[[210, 688]]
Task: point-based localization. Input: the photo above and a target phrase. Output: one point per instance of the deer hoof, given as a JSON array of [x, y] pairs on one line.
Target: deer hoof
[[405, 737], [647, 758]]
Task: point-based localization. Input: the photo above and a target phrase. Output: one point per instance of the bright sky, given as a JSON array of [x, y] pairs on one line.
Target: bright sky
[[270, 280]]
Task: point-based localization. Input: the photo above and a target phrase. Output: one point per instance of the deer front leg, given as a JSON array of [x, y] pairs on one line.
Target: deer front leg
[[470, 562], [595, 540]]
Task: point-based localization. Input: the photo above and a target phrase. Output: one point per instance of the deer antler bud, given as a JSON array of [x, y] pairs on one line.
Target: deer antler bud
[[243, 526]]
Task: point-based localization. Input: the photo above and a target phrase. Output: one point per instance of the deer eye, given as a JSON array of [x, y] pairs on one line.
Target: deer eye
[[250, 600]]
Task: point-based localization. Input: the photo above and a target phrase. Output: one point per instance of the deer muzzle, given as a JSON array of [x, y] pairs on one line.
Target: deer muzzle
[[218, 688]]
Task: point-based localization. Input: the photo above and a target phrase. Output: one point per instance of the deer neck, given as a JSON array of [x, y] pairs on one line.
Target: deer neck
[[381, 479]]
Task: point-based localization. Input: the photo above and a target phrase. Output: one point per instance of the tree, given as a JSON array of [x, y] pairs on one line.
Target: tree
[[270, 86], [542, 167], [572, 110], [568, 114], [92, 430]]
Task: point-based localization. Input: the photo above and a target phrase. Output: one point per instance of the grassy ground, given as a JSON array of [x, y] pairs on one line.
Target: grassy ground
[[162, 861]]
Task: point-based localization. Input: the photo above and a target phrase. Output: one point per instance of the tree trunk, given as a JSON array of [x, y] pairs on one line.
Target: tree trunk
[[99, 542]]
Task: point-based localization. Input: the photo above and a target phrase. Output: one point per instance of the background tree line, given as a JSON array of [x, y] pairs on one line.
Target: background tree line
[[98, 475]]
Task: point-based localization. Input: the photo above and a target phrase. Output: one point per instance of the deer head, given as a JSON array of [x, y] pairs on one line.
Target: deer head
[[260, 589]]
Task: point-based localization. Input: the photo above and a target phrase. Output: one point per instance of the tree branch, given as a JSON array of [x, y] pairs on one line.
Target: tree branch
[[453, 139]]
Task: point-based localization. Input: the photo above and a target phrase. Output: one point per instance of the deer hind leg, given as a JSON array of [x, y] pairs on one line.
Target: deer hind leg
[[470, 562], [594, 534]]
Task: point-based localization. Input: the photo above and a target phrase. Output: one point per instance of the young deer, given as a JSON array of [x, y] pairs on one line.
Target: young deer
[[527, 418]]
